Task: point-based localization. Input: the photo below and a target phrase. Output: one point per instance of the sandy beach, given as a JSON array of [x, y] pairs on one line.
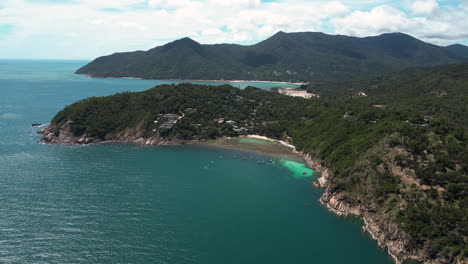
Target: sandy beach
[[196, 80], [284, 143], [258, 144]]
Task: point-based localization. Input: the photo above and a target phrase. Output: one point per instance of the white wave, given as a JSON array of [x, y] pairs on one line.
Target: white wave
[[11, 116]]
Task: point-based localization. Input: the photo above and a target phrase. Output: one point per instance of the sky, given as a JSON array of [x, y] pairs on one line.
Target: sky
[[85, 29]]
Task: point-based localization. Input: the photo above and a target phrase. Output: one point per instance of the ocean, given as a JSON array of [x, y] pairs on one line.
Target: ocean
[[121, 203]]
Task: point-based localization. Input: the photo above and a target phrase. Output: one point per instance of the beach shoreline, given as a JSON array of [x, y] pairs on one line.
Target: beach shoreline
[[278, 148], [387, 235], [196, 80], [282, 149]]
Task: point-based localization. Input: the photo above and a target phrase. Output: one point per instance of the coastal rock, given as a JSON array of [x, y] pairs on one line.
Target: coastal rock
[[340, 205], [376, 223], [317, 165], [63, 135], [151, 141], [381, 228]]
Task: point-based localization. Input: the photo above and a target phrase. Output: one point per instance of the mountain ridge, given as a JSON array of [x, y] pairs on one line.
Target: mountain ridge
[[299, 56], [458, 49]]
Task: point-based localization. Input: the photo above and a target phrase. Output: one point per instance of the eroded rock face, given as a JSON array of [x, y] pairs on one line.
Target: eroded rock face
[[381, 228], [63, 136], [339, 204]]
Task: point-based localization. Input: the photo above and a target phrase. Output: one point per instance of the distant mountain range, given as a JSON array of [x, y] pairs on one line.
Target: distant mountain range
[[305, 56], [458, 49]]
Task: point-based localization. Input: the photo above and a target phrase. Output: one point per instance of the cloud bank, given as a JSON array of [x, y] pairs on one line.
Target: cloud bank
[[84, 29]]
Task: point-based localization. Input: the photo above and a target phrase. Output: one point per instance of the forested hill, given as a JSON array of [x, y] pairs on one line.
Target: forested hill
[[306, 56], [459, 49], [399, 152]]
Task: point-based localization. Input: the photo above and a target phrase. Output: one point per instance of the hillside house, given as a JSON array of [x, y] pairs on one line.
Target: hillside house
[[350, 116]]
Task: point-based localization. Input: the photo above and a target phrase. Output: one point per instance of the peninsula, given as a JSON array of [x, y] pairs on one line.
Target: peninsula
[[392, 150]]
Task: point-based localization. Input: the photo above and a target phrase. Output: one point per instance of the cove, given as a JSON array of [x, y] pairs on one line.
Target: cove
[[120, 203]]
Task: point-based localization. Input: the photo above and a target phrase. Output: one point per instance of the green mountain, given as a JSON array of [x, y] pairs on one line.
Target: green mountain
[[396, 149], [307, 56], [458, 49]]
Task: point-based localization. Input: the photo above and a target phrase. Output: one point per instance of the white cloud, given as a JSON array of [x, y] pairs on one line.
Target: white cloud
[[423, 7], [378, 20], [71, 35], [96, 27], [443, 28], [109, 3], [334, 9], [212, 31], [193, 34], [236, 3], [170, 3]]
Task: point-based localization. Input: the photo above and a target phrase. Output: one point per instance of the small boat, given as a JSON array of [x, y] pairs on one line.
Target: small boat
[[305, 172]]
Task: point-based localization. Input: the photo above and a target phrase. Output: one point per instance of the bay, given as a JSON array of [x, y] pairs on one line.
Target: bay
[[120, 203]]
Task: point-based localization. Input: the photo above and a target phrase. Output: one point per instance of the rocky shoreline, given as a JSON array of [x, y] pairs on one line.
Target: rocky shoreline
[[386, 234], [381, 228], [66, 137]]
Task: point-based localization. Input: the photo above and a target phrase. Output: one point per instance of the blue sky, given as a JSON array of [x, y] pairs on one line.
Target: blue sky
[[85, 29]]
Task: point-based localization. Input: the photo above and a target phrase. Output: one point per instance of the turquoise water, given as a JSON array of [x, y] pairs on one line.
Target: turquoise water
[[118, 203], [299, 170], [255, 141]]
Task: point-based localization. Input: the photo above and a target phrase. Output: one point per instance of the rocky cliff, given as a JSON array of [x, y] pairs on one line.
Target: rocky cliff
[[63, 135], [383, 229]]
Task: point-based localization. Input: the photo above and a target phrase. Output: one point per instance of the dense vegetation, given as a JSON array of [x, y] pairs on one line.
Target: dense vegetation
[[459, 49], [308, 56], [402, 146]]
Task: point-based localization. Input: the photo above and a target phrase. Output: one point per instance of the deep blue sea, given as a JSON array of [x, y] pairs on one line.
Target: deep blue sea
[[120, 203]]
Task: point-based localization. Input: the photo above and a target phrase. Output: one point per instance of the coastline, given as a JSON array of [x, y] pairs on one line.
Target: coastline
[[272, 147], [388, 236], [284, 143], [196, 80], [383, 230]]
